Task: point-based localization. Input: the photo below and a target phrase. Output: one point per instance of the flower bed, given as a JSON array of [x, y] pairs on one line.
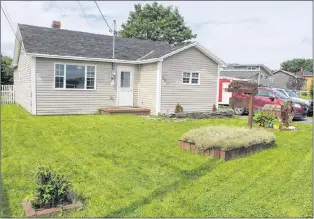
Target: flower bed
[[30, 210], [225, 113], [226, 142]]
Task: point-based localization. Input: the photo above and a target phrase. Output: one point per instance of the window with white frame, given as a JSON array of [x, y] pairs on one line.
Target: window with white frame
[[251, 68], [191, 78], [73, 76], [271, 80]]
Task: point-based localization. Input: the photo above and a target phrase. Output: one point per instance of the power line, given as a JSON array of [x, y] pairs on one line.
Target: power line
[[103, 16], [5, 9], [83, 13], [10, 24]]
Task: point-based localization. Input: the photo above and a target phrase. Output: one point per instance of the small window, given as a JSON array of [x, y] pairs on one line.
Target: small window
[[262, 76], [195, 78], [191, 78], [59, 76], [186, 77], [251, 68], [125, 79], [90, 77], [265, 76], [271, 80]]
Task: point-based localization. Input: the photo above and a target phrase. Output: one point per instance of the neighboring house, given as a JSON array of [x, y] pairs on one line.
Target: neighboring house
[[281, 77], [69, 72], [255, 72], [308, 75]]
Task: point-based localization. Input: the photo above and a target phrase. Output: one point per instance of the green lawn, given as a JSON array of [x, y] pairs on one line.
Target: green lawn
[[308, 97], [127, 166]]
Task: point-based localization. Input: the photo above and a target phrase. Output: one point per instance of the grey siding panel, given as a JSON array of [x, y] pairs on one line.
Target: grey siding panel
[[147, 86], [280, 80], [51, 101], [191, 97], [263, 80], [22, 81]]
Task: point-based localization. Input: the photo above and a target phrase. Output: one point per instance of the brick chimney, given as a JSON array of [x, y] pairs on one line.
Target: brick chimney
[[56, 24]]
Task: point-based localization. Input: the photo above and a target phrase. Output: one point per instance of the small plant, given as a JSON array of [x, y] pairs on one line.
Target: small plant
[[178, 108], [52, 189], [264, 119], [98, 112], [214, 109]]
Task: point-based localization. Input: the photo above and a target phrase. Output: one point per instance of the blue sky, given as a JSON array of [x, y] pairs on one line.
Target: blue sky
[[265, 32]]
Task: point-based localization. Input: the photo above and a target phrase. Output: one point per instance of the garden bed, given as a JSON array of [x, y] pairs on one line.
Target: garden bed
[[226, 154], [226, 142], [30, 211], [225, 113]]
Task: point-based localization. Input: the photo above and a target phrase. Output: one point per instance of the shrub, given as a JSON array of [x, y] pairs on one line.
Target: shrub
[[264, 118], [227, 137], [214, 109], [178, 108], [52, 189]]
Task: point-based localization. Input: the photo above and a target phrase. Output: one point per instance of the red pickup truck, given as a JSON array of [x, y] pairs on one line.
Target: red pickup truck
[[266, 95]]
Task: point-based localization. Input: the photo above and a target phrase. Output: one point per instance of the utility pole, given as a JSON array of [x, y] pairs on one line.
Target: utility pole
[[114, 38]]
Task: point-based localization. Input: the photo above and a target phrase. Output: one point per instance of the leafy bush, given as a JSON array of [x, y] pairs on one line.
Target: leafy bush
[[178, 108], [264, 118], [52, 189], [227, 137]]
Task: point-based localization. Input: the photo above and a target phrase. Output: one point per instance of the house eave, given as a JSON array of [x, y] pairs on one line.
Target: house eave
[[94, 59]]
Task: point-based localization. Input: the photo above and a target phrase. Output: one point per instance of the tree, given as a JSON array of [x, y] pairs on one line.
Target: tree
[[295, 65], [6, 70], [156, 22], [295, 83]]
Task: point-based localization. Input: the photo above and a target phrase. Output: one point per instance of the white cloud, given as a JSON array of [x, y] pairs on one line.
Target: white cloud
[[239, 32]]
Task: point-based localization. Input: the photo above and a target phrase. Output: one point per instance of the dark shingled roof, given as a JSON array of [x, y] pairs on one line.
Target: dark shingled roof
[[43, 40]]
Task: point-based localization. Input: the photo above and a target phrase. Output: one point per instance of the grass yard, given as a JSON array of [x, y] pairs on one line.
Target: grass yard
[[308, 97], [127, 166]]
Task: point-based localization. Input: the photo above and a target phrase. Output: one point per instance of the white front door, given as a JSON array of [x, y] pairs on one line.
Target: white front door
[[125, 86]]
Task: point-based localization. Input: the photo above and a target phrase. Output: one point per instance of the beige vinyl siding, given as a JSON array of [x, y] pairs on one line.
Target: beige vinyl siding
[[147, 86], [22, 81], [191, 97], [51, 101]]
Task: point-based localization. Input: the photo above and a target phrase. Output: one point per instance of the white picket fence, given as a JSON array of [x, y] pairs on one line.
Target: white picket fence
[[7, 94]]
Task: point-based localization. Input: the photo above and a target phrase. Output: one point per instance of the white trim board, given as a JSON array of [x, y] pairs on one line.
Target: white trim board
[[196, 45], [33, 85], [158, 87]]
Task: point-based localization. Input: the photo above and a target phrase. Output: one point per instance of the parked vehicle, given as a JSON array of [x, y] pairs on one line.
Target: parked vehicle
[[294, 96], [271, 96]]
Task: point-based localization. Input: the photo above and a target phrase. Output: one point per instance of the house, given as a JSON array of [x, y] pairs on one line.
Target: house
[[255, 72], [308, 76], [281, 78], [70, 72]]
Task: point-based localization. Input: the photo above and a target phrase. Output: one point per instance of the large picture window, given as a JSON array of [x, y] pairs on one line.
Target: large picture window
[[71, 76]]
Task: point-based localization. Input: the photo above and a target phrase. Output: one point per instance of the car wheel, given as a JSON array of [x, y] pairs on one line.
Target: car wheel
[[239, 111]]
